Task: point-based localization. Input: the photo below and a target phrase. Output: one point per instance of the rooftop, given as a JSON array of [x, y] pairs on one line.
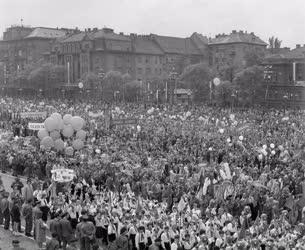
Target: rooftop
[[237, 37], [176, 45], [144, 45], [49, 33]]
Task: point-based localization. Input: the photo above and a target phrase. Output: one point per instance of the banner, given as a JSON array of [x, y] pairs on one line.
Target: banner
[[33, 115], [63, 175], [35, 126], [95, 115], [124, 121]]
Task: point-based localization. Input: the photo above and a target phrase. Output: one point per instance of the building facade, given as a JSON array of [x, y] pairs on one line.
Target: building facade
[[232, 49], [144, 57], [24, 45]]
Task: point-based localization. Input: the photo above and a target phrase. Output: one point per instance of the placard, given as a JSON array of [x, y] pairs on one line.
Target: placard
[[63, 175], [35, 126]]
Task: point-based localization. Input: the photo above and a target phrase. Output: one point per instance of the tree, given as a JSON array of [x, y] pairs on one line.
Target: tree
[[274, 44], [254, 57], [223, 92], [249, 83], [46, 76], [132, 90], [197, 78], [113, 81], [90, 80]]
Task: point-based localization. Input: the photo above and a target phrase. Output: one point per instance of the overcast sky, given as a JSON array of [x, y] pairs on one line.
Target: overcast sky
[[281, 18]]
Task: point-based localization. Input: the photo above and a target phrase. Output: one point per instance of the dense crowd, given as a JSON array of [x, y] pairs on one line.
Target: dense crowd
[[180, 178]]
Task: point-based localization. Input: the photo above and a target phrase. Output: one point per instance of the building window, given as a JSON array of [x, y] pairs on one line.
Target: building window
[[156, 71], [148, 71], [140, 71], [140, 59]]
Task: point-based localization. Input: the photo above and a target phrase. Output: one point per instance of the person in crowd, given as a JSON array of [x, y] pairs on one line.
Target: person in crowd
[[52, 244], [66, 230], [87, 233], [27, 213], [27, 190], [56, 229], [5, 211], [15, 216], [122, 240], [40, 230]]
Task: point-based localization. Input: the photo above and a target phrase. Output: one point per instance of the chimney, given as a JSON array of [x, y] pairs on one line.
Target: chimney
[[241, 32], [89, 29], [252, 33], [121, 33], [95, 29], [233, 31], [298, 46]]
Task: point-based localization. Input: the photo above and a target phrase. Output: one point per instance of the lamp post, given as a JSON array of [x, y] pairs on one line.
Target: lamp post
[[173, 76]]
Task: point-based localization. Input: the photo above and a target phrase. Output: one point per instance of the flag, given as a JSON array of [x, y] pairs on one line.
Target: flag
[[181, 205]]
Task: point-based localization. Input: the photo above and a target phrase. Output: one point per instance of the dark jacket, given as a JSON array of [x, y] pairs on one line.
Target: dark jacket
[[66, 229], [55, 227], [122, 242]]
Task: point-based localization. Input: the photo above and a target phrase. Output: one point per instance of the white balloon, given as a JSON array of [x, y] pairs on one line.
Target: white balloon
[[272, 145]]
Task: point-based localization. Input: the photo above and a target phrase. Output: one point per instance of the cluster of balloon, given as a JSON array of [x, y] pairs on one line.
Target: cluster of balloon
[[59, 130]]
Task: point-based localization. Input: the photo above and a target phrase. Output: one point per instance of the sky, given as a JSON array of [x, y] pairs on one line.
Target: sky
[[280, 18]]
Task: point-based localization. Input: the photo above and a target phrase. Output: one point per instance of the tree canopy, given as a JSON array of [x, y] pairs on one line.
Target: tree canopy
[[197, 78]]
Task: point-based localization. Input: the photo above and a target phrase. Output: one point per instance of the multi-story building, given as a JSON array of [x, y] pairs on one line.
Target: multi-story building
[[286, 67], [147, 58], [23, 45], [180, 52], [144, 57], [93, 51], [232, 49]]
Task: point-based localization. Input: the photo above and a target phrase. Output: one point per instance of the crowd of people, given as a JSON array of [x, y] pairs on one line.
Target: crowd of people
[[179, 178]]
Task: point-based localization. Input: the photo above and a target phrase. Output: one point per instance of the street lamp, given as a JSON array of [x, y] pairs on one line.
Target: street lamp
[[173, 76]]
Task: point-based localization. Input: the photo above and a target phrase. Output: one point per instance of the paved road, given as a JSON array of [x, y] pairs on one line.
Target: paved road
[[8, 180], [6, 238]]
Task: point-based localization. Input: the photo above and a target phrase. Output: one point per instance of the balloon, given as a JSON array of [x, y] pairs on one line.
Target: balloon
[[139, 128], [67, 119], [42, 134], [240, 137], [260, 157], [56, 116], [77, 123], [78, 144], [221, 131], [272, 145], [59, 145], [61, 124], [47, 142], [69, 151], [50, 124], [68, 131], [228, 140], [55, 135], [81, 134]]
